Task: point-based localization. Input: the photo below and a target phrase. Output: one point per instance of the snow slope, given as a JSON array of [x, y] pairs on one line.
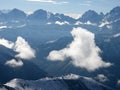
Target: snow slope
[[68, 82]]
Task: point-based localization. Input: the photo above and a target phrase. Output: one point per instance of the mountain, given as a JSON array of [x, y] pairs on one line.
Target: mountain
[[43, 17], [111, 21], [113, 15], [62, 18], [15, 15], [27, 71], [4, 87], [92, 17], [38, 17], [68, 82], [2, 17], [5, 10], [12, 18], [46, 31], [6, 54]]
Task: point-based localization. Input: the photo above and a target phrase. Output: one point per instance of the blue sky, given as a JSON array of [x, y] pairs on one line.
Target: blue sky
[[61, 6]]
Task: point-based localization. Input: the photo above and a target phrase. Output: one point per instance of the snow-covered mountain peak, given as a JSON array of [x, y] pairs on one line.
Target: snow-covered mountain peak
[[113, 15], [91, 16], [68, 82]]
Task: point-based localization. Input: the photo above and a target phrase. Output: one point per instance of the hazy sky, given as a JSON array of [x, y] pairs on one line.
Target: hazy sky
[[61, 6]]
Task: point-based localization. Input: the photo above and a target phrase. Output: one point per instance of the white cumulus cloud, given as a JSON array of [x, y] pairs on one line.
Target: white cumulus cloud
[[102, 78], [13, 63], [23, 48], [82, 50], [6, 43]]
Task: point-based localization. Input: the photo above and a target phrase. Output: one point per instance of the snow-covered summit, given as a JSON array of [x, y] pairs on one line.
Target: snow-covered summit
[[68, 82]]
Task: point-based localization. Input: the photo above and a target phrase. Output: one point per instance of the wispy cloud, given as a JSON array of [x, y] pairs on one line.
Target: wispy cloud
[[49, 1], [13, 63], [102, 78], [85, 4], [74, 15], [88, 1]]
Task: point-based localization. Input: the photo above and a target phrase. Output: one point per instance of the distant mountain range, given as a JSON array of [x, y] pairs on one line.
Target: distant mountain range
[[43, 17], [24, 72], [45, 31]]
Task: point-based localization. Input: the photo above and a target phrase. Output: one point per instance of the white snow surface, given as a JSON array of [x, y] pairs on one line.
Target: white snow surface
[[116, 35]]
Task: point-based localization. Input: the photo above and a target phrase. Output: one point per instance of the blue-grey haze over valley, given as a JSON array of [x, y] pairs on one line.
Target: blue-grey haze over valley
[[41, 48]]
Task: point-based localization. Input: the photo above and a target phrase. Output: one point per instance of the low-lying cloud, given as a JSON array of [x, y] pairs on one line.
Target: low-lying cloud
[[62, 23], [6, 43], [82, 51], [102, 78], [21, 46], [13, 63]]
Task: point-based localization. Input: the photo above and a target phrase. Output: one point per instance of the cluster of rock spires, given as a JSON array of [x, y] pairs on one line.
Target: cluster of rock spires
[[41, 17]]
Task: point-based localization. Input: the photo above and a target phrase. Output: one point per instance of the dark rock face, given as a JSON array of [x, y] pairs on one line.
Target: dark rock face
[[28, 71], [91, 16], [113, 15], [16, 14]]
